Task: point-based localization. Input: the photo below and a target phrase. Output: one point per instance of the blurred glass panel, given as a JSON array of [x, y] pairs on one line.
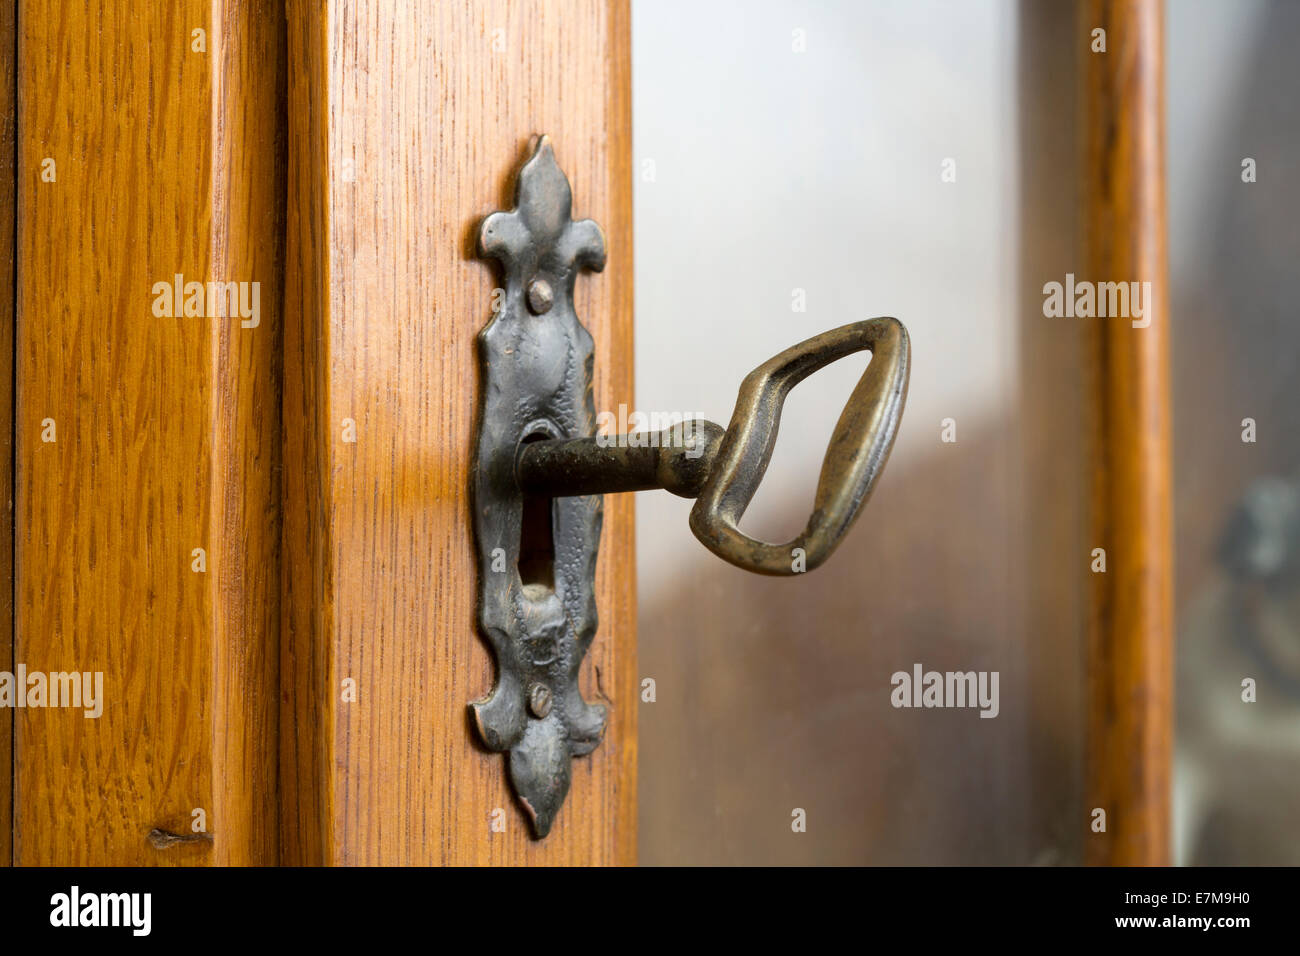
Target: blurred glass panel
[[798, 167], [1234, 249], [792, 166]]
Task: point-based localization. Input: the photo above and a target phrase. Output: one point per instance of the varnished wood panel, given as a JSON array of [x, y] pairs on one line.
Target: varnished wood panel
[[166, 162], [1131, 626], [407, 123], [8, 233]]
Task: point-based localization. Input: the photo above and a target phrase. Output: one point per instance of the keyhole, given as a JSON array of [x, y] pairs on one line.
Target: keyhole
[[537, 535]]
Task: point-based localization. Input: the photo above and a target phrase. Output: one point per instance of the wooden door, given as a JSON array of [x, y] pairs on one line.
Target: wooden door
[[407, 125], [255, 525]]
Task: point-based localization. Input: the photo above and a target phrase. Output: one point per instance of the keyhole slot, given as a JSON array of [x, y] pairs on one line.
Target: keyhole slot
[[537, 533]]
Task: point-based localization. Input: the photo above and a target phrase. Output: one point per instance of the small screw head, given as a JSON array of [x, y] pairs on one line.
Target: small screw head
[[540, 296], [539, 700]]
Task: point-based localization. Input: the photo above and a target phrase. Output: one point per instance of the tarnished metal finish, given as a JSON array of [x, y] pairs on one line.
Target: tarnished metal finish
[[536, 379], [677, 459], [858, 449], [696, 459]]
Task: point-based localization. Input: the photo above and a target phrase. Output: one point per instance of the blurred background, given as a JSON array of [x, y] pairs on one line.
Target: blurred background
[[800, 166]]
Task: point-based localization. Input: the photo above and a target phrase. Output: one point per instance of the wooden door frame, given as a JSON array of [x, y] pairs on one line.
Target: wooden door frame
[[1131, 620]]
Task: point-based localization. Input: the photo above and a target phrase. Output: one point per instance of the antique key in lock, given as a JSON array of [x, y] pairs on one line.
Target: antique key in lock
[[537, 440], [722, 468]]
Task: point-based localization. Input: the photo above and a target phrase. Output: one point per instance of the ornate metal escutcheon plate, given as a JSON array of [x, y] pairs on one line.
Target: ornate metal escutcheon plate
[[536, 381]]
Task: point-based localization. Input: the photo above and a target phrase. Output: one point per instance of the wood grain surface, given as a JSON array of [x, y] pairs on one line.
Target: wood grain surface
[[407, 124], [167, 161], [1131, 627], [8, 235]]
